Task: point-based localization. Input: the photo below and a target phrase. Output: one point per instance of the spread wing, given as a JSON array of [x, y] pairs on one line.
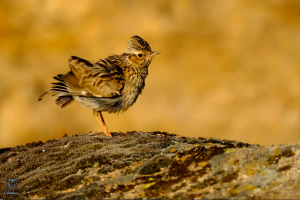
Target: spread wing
[[101, 79]]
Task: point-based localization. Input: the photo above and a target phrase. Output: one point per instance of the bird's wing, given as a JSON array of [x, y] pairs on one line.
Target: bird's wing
[[101, 79]]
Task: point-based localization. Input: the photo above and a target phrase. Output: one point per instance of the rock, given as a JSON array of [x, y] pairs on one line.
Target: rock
[[150, 165]]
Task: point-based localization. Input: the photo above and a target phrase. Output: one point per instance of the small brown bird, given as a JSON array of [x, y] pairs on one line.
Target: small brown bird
[[112, 84]]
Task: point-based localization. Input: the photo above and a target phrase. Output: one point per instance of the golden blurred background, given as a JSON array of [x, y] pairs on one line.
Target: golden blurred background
[[228, 69]]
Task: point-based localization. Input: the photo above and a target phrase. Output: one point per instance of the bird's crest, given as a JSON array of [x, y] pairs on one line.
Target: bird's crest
[[138, 43]]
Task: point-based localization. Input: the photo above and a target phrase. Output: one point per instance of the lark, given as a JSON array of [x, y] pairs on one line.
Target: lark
[[111, 85]]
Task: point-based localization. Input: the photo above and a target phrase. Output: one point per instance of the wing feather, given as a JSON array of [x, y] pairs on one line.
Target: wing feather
[[101, 79]]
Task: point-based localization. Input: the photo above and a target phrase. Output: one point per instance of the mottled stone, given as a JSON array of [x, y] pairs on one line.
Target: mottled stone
[[150, 165]]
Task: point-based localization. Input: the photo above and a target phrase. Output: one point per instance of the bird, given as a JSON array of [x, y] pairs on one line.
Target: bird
[[111, 85]]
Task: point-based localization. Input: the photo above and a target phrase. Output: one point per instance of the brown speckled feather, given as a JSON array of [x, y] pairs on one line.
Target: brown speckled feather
[[112, 84], [137, 43], [101, 79]]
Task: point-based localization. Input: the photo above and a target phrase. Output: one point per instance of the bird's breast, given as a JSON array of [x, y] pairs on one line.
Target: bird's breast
[[134, 85]]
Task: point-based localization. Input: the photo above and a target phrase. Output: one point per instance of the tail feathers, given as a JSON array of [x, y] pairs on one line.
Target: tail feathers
[[64, 101], [68, 83], [64, 89], [43, 96]]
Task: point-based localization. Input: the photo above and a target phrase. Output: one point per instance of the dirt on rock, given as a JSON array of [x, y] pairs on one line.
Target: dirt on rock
[[149, 165]]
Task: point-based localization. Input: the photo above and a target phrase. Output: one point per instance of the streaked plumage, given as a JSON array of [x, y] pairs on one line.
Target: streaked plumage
[[111, 84]]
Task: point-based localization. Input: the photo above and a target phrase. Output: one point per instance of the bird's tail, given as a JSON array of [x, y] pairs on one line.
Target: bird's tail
[[64, 89]]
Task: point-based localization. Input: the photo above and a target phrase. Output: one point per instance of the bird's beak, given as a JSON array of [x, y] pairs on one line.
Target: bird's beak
[[153, 53]]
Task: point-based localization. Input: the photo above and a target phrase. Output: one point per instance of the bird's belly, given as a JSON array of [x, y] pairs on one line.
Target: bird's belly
[[87, 102], [121, 103], [111, 105]]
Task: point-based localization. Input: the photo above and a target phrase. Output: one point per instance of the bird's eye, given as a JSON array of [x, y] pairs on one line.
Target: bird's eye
[[140, 55]]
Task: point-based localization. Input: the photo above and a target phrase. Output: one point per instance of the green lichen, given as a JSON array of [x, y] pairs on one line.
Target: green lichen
[[149, 185], [94, 147]]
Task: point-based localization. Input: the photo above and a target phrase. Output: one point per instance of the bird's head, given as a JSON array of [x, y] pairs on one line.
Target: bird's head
[[140, 51]]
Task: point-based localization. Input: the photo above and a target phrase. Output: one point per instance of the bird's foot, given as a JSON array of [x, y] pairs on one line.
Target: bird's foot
[[107, 133], [94, 133]]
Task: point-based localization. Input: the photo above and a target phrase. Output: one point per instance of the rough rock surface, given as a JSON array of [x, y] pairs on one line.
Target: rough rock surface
[[150, 165]]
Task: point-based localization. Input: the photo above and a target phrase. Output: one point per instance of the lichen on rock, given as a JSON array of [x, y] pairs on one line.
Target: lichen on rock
[[150, 165]]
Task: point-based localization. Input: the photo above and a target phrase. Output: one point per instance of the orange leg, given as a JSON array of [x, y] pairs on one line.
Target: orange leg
[[101, 121]]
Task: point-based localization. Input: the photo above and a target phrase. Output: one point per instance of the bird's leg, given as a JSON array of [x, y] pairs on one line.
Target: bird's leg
[[101, 121]]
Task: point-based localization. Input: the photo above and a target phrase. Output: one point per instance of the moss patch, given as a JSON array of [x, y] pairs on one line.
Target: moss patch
[[230, 177], [138, 165]]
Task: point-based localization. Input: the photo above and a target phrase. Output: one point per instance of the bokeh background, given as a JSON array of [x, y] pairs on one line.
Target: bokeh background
[[228, 69]]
